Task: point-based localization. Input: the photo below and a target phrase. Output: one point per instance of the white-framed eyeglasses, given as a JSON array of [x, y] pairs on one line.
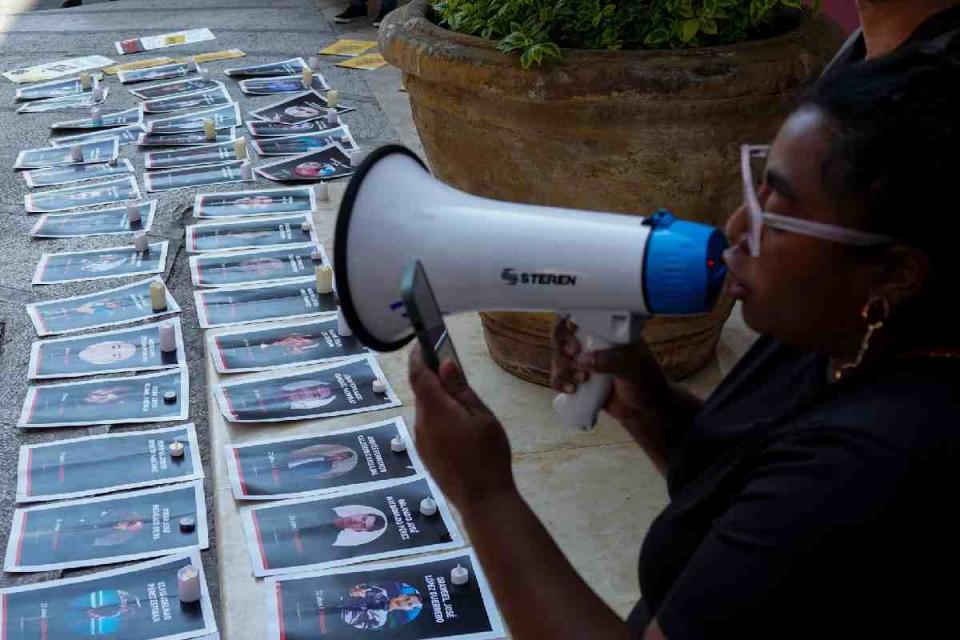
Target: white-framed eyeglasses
[[758, 218]]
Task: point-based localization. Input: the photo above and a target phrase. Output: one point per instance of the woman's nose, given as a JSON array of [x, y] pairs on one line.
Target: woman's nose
[[736, 229]]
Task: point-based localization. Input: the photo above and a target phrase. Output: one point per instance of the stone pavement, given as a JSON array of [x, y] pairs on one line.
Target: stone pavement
[[596, 492]]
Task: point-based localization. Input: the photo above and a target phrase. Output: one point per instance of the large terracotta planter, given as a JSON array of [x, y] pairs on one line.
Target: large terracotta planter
[[624, 131]]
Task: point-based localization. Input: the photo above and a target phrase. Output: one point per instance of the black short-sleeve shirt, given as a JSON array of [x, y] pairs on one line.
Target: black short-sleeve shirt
[[803, 509]]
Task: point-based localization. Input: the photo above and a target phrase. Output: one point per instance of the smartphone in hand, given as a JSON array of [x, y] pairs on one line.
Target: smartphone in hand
[[425, 315]]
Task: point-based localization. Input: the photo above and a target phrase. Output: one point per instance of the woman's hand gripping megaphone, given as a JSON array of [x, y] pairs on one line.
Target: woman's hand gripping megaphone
[[585, 395]]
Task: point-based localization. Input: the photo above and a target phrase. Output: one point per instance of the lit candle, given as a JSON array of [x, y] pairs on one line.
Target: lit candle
[[158, 296], [209, 129], [177, 449], [188, 584], [325, 280], [240, 148]]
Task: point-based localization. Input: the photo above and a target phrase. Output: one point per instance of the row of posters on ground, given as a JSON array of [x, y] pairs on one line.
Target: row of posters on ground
[[401, 599]]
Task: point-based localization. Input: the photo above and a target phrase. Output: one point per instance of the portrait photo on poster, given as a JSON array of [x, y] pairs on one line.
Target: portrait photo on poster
[[307, 534], [280, 345], [183, 102], [187, 177], [175, 88], [97, 264], [104, 120], [299, 144], [206, 154], [326, 163], [243, 304], [125, 135], [266, 129], [257, 266], [358, 458], [286, 67], [68, 174], [138, 348], [97, 151], [113, 221], [94, 465], [396, 599], [282, 84], [163, 72], [120, 527], [138, 399], [302, 107], [136, 602], [56, 88], [317, 391], [106, 308], [261, 202], [251, 233], [187, 139], [84, 196], [223, 117]]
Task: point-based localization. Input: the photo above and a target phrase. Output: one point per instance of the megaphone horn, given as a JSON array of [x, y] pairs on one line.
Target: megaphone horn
[[609, 271]]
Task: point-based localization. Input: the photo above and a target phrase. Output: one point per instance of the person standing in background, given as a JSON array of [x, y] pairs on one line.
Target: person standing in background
[[358, 9]]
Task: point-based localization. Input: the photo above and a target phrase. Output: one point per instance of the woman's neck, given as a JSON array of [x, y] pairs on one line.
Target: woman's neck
[[888, 23]]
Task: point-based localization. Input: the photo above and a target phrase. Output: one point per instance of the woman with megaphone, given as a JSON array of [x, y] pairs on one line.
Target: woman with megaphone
[[811, 494]]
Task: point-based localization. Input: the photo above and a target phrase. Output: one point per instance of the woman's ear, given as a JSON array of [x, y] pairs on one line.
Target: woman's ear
[[902, 274]]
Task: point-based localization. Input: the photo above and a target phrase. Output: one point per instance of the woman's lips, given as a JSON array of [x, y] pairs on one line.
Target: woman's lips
[[733, 286]]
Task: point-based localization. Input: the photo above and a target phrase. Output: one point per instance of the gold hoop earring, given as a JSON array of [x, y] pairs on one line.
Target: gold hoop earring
[[874, 313]]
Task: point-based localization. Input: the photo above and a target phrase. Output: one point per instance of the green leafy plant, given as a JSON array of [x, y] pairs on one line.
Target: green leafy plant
[[539, 28]]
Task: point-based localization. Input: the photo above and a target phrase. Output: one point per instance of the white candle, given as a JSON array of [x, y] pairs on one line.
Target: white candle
[[397, 445], [168, 337], [188, 584], [158, 296], [246, 171], [428, 506], [76, 153], [323, 192], [133, 211], [85, 80], [98, 94], [333, 98], [305, 226], [325, 280], [459, 575], [177, 449], [343, 327], [307, 78], [379, 386], [140, 241]]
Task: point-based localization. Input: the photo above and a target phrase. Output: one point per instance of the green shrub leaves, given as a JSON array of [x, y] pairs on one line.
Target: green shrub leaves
[[537, 29]]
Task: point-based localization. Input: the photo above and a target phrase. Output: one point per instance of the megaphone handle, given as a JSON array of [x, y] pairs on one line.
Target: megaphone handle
[[579, 409]]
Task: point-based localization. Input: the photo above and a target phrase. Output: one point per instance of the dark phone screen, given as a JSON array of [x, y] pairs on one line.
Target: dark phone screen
[[431, 331]]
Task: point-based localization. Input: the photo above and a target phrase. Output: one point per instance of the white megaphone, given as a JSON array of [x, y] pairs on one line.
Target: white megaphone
[[608, 271]]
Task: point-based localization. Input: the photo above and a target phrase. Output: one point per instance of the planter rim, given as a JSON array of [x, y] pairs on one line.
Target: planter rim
[[410, 22]]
